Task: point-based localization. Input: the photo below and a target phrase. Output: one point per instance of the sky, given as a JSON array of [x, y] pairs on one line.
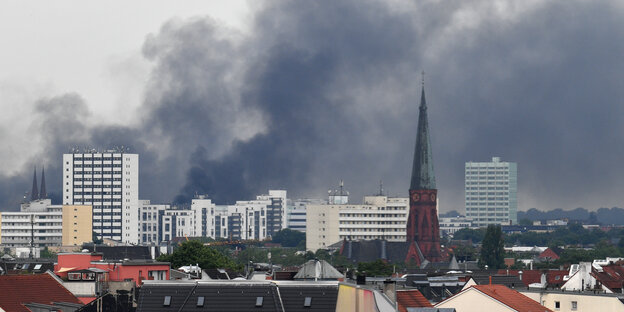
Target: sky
[[233, 98]]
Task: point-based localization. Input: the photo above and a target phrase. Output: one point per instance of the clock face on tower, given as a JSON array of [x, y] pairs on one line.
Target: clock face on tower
[[433, 197], [415, 197]]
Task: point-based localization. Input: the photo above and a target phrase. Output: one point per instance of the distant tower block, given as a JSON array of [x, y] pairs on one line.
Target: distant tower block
[[422, 224]]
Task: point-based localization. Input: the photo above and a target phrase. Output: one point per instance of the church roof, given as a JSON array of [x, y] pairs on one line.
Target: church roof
[[423, 177]]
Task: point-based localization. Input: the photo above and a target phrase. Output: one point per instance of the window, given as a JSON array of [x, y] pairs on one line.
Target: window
[[574, 305], [259, 301], [557, 305], [200, 301], [167, 301], [307, 302]]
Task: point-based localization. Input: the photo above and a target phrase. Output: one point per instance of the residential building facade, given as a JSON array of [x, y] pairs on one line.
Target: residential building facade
[[491, 192], [46, 225], [109, 182], [379, 217]]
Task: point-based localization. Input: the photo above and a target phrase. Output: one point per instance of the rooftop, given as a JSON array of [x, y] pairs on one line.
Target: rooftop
[[17, 290]]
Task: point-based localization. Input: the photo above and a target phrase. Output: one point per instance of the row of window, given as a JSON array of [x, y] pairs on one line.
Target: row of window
[[87, 158], [486, 204], [96, 193], [87, 179], [96, 165], [488, 198], [487, 183]]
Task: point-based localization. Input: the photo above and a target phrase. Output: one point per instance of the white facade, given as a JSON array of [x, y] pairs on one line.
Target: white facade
[[380, 217], [275, 210], [39, 219], [491, 192], [296, 213], [454, 224], [109, 181], [149, 215], [205, 211]]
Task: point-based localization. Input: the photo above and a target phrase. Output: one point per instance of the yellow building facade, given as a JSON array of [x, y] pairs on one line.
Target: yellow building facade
[[77, 224]]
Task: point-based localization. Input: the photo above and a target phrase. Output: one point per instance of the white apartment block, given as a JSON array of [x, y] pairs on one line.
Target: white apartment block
[[379, 217], [39, 219], [253, 219], [451, 225], [491, 192], [44, 225], [296, 211], [177, 223], [275, 210], [108, 181], [149, 224]]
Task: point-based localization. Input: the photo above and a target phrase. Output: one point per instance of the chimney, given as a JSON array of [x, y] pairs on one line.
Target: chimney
[[389, 289]]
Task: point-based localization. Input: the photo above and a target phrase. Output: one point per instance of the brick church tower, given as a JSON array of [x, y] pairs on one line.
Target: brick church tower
[[423, 229]]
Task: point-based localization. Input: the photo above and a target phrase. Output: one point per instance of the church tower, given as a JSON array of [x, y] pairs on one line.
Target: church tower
[[423, 229]]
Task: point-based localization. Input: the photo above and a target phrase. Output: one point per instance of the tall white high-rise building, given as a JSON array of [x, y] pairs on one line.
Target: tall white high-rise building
[[491, 192], [108, 181]]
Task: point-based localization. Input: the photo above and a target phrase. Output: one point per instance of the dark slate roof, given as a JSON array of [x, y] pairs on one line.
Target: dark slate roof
[[373, 250], [121, 252], [26, 266], [323, 298], [238, 296], [423, 177]]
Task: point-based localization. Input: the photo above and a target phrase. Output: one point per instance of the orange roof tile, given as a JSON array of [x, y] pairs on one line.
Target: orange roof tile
[[15, 290], [511, 298], [411, 299]]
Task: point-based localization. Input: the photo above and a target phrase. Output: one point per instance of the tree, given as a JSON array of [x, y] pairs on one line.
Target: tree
[[289, 238], [194, 252], [375, 268], [525, 221], [469, 234], [493, 248], [95, 239]]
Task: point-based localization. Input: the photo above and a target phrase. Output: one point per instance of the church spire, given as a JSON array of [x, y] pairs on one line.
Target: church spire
[[34, 194], [42, 191], [423, 177]]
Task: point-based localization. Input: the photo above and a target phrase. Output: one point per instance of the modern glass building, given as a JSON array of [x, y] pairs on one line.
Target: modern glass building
[[491, 190]]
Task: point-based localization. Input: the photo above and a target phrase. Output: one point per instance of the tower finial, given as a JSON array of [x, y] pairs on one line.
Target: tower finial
[[422, 74], [43, 194], [34, 194]]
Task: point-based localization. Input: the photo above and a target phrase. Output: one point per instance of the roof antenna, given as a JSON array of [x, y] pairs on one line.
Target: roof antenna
[[380, 188]]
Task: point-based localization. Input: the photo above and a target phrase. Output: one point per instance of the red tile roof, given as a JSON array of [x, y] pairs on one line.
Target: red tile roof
[[548, 254], [411, 299], [612, 276], [15, 290], [511, 298]]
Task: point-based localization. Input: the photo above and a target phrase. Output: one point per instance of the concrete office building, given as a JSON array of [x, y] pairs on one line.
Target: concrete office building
[[296, 212], [379, 217], [46, 225], [491, 192], [108, 181]]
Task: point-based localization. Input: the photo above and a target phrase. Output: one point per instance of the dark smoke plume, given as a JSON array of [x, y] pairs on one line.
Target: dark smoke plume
[[318, 92]]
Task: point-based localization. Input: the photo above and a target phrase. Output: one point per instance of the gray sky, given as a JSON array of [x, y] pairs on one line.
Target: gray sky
[[231, 100]]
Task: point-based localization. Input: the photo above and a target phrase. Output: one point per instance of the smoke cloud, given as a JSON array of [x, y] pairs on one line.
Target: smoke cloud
[[315, 93]]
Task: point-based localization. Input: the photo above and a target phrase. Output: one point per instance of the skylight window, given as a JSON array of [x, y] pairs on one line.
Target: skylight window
[[200, 301], [307, 302], [167, 301], [37, 267], [259, 301]]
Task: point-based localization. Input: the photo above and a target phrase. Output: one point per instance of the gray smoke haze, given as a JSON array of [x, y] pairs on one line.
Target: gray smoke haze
[[319, 92]]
